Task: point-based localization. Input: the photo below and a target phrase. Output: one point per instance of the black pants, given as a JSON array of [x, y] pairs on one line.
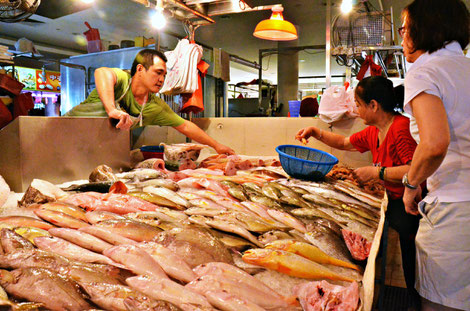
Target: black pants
[[406, 225]]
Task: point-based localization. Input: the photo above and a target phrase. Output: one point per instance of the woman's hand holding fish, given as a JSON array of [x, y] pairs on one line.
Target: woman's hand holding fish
[[366, 173], [307, 132]]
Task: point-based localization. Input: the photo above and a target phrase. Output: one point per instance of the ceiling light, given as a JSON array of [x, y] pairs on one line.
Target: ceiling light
[[346, 6], [88, 1], [158, 19], [276, 28]]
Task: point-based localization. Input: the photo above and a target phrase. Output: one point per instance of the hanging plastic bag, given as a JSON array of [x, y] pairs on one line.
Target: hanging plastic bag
[[337, 104], [182, 76], [195, 102]]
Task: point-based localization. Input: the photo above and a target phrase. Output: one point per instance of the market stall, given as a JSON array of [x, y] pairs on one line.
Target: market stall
[[268, 230]]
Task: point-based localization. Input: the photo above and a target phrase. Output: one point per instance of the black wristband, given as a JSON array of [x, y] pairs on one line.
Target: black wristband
[[382, 172]]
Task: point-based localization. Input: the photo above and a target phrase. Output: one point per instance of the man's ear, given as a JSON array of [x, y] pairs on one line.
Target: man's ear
[[140, 67]]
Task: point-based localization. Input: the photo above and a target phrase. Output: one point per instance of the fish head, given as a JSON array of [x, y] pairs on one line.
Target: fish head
[[280, 244]]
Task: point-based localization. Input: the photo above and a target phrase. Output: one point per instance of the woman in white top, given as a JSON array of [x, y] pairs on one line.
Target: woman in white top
[[437, 95]]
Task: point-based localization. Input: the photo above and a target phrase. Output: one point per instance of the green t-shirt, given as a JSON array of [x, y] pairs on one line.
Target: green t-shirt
[[156, 111]]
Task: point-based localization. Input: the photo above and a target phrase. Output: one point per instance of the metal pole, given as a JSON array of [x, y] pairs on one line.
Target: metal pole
[[260, 79], [328, 45]]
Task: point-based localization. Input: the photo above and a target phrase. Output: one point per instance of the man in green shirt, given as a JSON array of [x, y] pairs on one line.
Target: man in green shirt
[[131, 99]]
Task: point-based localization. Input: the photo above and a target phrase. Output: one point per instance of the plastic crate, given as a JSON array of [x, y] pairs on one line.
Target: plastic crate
[[10, 85], [304, 162]]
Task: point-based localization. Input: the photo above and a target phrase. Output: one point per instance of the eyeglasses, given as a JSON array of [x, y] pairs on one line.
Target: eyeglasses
[[402, 31]]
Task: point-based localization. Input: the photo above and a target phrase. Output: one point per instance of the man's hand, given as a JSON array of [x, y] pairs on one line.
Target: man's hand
[[125, 120], [366, 173], [411, 198], [222, 149]]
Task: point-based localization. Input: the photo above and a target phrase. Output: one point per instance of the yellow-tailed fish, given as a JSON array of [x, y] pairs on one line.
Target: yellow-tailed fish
[[310, 252], [65, 208], [29, 233], [290, 264]]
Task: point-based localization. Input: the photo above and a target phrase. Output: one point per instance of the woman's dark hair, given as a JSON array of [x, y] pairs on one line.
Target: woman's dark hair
[[434, 23], [381, 90], [145, 58]]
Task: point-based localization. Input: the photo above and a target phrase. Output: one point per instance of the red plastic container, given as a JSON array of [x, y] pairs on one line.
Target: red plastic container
[[152, 152], [11, 85]]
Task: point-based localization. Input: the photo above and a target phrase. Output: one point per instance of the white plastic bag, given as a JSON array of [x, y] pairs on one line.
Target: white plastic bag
[[182, 63], [337, 104]]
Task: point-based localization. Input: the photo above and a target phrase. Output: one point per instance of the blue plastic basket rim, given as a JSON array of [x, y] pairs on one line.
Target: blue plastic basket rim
[[303, 160]]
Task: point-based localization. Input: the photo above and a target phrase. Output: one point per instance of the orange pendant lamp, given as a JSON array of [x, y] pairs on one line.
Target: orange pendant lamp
[[276, 28]]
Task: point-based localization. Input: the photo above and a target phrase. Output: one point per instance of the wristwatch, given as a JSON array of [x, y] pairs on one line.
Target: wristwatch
[[405, 182]]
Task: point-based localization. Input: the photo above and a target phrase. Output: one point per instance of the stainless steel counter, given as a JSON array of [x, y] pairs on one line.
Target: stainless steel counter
[[59, 149]]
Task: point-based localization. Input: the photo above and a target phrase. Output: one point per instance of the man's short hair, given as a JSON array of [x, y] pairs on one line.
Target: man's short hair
[[145, 58], [435, 23]]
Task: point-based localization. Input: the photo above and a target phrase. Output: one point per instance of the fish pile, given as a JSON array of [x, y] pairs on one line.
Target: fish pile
[[341, 172], [195, 240]]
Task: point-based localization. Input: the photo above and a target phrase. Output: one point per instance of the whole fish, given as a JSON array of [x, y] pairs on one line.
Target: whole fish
[[274, 235], [232, 241], [357, 193], [199, 220], [25, 221], [167, 290], [291, 264], [233, 228], [155, 199], [202, 211], [36, 258], [63, 207], [112, 296], [88, 274], [107, 235], [134, 304], [195, 245], [311, 213], [310, 252], [260, 210], [237, 275], [248, 221], [168, 194], [71, 251], [171, 263], [263, 200], [94, 217], [271, 192], [135, 259], [206, 203], [214, 282], [141, 174], [81, 238], [42, 285], [97, 186], [30, 233], [235, 190], [157, 182], [161, 214], [130, 229], [229, 302], [11, 241], [287, 219], [252, 187], [326, 240], [61, 219]]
